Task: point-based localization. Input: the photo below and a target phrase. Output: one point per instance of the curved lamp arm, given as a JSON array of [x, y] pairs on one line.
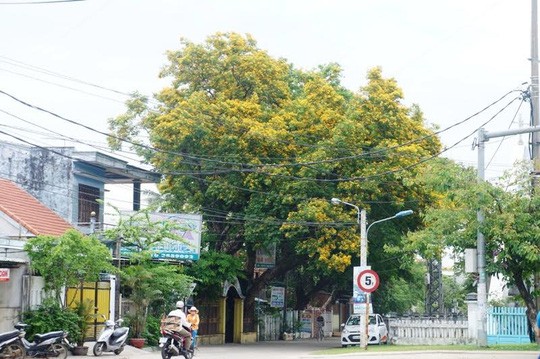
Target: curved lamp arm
[[338, 201], [397, 215]]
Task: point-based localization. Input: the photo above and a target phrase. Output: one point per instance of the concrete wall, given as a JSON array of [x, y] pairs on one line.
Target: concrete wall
[[22, 291], [10, 299], [44, 174]]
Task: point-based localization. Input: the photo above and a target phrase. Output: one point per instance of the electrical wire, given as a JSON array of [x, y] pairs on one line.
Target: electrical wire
[[44, 71], [360, 178], [501, 142], [250, 166], [204, 179], [224, 171], [102, 148], [63, 86], [37, 2]]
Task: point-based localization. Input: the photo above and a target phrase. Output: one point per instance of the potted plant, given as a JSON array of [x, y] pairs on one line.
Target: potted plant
[[85, 312], [147, 281], [138, 279]]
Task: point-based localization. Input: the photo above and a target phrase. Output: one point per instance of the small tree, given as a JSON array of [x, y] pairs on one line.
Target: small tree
[[68, 260], [145, 280], [511, 225]]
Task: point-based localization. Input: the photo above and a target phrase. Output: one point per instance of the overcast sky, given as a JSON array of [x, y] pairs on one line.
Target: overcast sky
[[451, 57]]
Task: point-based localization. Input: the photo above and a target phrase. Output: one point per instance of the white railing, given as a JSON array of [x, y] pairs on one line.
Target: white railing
[[299, 324], [269, 327], [428, 331]]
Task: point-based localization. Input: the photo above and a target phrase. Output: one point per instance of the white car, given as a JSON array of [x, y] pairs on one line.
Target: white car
[[377, 330]]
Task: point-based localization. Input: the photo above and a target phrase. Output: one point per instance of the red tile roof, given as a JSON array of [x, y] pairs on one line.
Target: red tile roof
[[26, 210]]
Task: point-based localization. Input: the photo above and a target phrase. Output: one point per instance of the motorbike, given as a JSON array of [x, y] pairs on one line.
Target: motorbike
[[51, 344], [11, 345], [172, 344], [112, 338]]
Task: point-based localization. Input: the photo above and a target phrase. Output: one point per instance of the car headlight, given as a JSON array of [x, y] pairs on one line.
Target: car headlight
[[345, 331]]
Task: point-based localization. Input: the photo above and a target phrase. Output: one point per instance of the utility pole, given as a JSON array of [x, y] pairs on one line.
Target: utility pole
[[535, 108], [117, 299], [484, 136], [481, 288], [363, 237]]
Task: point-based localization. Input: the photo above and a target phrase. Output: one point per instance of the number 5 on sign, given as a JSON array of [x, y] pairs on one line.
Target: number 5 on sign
[[368, 280]]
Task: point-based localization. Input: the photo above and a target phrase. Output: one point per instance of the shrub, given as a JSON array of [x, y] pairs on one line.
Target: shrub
[[152, 330], [50, 316]]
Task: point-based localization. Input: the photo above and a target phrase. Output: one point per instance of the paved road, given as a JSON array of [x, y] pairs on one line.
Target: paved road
[[305, 349]]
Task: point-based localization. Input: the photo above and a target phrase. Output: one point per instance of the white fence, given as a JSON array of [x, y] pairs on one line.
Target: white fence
[[300, 324], [428, 331], [269, 327], [408, 330]]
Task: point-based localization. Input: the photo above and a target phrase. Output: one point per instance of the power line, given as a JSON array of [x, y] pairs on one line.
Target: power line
[[45, 149], [101, 148], [59, 85], [36, 2], [501, 142], [250, 166], [251, 170], [44, 71]]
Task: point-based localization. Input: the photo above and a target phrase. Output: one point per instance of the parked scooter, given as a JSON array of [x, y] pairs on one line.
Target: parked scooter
[[112, 338], [52, 344], [11, 345]]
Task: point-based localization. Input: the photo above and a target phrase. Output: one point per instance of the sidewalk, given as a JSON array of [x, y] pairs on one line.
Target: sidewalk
[[307, 349], [128, 353], [258, 350]]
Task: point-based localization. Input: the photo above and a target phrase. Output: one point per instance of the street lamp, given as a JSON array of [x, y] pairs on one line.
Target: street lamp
[[362, 222], [361, 219], [405, 213]]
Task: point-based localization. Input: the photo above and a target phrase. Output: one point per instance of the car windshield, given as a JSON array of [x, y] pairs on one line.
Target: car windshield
[[355, 320]]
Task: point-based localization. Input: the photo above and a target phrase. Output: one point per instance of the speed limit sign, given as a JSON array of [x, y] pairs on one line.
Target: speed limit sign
[[368, 280]]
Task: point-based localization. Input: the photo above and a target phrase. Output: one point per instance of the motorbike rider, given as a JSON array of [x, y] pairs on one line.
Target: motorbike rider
[[184, 324]]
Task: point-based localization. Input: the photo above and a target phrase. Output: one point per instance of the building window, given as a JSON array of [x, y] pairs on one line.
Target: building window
[[88, 197]]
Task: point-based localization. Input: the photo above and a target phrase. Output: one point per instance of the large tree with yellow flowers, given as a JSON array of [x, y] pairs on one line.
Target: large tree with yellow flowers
[[259, 147]]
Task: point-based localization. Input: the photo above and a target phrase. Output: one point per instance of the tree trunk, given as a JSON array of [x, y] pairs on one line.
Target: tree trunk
[[528, 299]]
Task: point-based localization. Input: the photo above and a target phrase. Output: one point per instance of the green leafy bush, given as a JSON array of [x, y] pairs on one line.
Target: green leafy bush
[[50, 316], [152, 333]]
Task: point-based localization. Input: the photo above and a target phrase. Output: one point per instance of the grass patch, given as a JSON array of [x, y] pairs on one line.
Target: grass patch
[[400, 348]]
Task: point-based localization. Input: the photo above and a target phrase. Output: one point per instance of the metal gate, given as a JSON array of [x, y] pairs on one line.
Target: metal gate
[[507, 325], [99, 294]]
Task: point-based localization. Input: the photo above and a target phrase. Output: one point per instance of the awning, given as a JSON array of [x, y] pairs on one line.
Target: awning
[[12, 262]]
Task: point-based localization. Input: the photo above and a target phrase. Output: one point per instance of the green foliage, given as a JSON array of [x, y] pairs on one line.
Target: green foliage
[[146, 282], [153, 333], [139, 232], [50, 316], [85, 313], [404, 294], [454, 294], [212, 269], [261, 147], [512, 221], [68, 259]]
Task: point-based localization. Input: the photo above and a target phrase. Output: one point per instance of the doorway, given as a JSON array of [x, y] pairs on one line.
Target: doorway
[[231, 323]]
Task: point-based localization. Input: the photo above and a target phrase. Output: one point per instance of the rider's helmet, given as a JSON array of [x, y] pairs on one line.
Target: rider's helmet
[[180, 304]]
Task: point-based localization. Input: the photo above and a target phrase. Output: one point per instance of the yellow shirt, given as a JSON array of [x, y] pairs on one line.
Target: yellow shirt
[[193, 318]]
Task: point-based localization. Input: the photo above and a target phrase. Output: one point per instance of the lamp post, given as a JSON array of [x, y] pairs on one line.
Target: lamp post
[[361, 219]]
